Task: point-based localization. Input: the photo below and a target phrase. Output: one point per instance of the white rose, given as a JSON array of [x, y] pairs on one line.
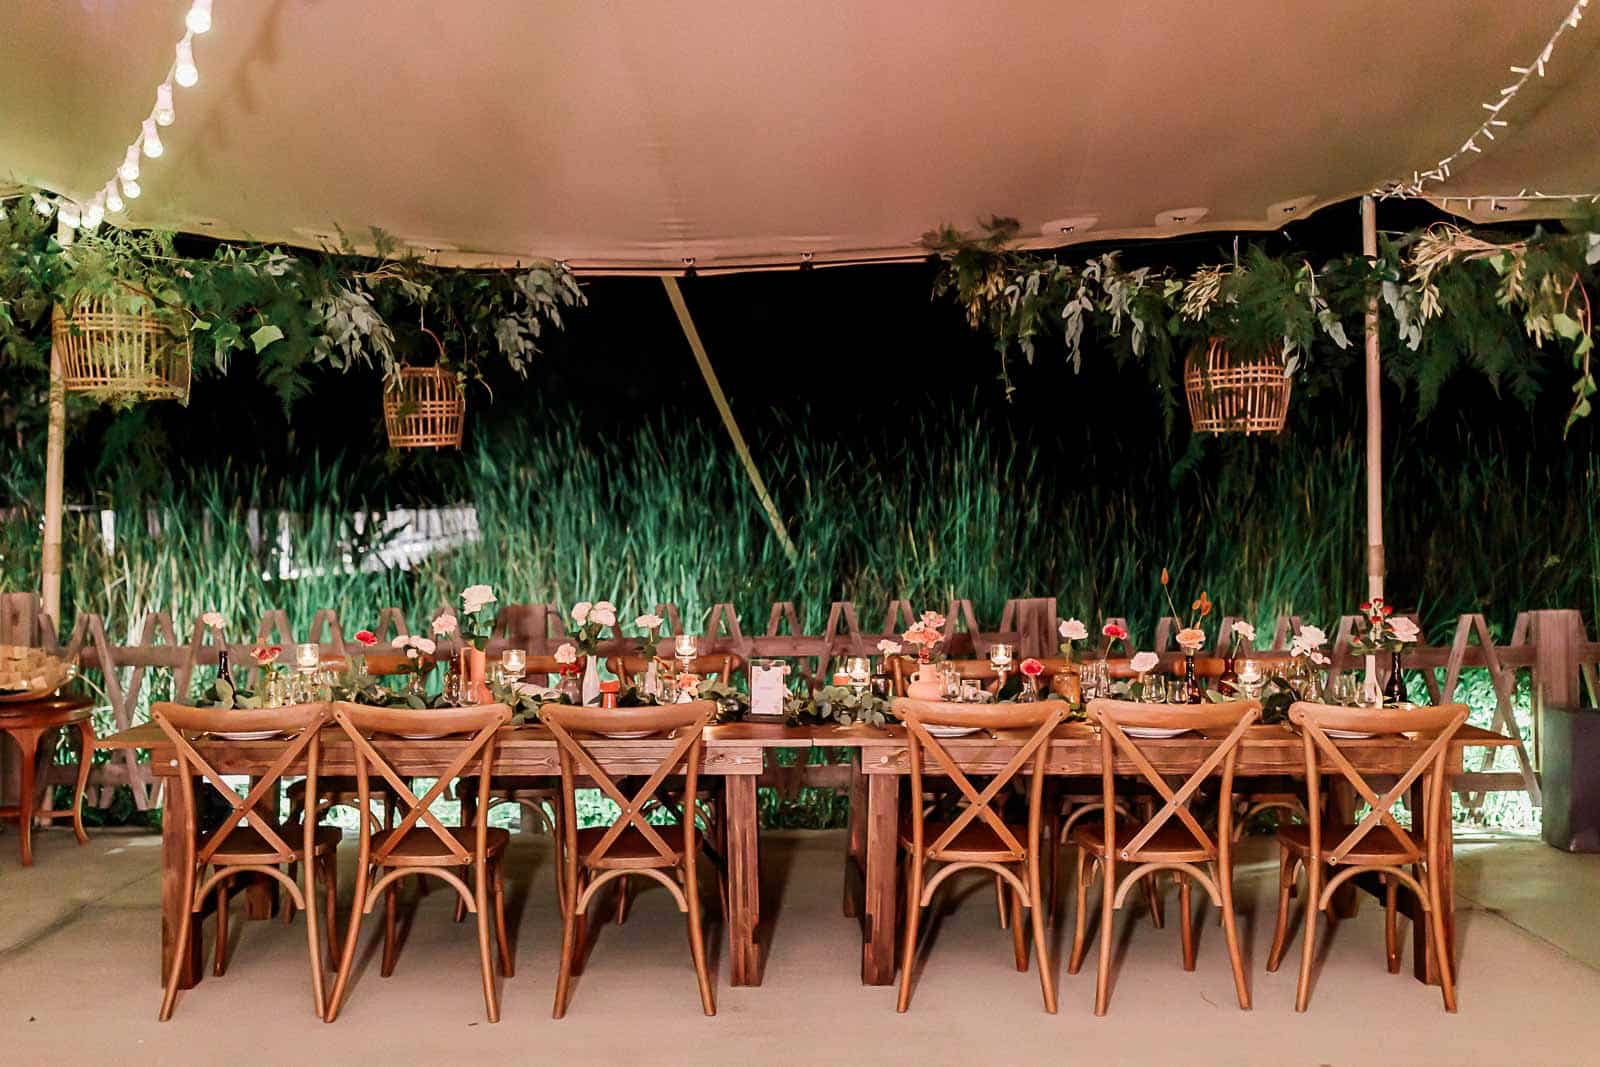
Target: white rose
[[888, 648], [603, 613], [1245, 631], [1312, 637], [580, 612], [1074, 630], [214, 620], [567, 653], [474, 597], [648, 622], [1405, 630], [1145, 662], [400, 642], [445, 624], [424, 644]]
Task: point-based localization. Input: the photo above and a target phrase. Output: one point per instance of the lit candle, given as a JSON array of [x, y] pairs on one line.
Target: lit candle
[[687, 646], [514, 661], [1000, 657], [307, 657]]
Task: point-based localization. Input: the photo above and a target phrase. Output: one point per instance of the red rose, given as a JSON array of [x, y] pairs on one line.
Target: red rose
[[1032, 667], [1115, 632], [366, 637]]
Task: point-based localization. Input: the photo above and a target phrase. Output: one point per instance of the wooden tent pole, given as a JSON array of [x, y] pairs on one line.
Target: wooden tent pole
[[54, 475], [1375, 560], [692, 335]]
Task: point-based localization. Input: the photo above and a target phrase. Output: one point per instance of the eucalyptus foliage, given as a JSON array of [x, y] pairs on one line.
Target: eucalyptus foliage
[[289, 310], [1453, 301]]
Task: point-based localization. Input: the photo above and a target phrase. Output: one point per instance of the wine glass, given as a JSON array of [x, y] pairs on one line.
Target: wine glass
[[686, 647], [1151, 691], [1371, 693], [513, 664], [1000, 657], [1251, 680], [858, 669]]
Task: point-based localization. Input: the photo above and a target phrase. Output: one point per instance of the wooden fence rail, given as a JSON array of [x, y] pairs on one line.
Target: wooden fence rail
[[1553, 646]]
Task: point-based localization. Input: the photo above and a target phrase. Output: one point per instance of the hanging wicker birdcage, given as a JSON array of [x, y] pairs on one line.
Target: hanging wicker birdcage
[[112, 354], [1229, 393], [426, 409]]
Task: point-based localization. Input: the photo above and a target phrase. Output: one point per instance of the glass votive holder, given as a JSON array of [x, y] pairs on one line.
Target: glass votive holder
[[307, 657]]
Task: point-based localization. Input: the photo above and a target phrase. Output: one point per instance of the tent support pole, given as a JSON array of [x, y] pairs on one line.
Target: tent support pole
[[692, 335], [54, 476], [1375, 560]]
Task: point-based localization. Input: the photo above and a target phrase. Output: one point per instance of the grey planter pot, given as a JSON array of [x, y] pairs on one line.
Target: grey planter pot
[[1569, 758]]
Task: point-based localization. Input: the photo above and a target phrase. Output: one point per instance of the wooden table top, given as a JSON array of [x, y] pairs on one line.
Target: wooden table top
[[59, 709]]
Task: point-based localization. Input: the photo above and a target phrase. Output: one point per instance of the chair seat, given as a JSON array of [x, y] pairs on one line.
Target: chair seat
[[631, 849], [977, 841], [1378, 847], [421, 847], [246, 845], [1172, 843]]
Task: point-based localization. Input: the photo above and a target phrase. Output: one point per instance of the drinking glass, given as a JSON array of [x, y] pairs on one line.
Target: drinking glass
[[1343, 689], [514, 663], [686, 647], [1151, 691], [970, 690], [949, 683], [1371, 694], [1177, 691]]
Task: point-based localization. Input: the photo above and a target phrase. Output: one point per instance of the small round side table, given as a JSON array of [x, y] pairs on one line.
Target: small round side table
[[26, 722]]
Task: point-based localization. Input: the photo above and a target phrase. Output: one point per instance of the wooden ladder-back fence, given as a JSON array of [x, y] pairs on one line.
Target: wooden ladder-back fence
[[1553, 646]]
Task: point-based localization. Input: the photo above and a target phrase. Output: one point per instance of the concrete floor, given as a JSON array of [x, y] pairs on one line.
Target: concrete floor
[[78, 937]]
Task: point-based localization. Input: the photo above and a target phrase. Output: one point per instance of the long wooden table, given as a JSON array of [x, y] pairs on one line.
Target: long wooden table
[[736, 752]]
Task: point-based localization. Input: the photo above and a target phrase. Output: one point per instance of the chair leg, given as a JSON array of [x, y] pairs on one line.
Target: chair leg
[[1152, 896], [697, 941], [1308, 950], [480, 895], [1041, 951], [1230, 929], [1000, 901], [330, 887], [1442, 950], [219, 965], [308, 889], [1080, 915], [185, 931], [1286, 873], [569, 948], [507, 968], [1186, 921], [391, 908], [622, 900], [1102, 978], [1391, 935], [358, 909], [1019, 943], [908, 954]]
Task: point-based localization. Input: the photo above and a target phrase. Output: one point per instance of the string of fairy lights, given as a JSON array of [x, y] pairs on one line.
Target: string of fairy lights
[[123, 186], [1473, 145]]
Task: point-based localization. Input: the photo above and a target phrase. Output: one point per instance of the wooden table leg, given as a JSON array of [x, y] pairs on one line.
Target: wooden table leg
[[855, 859], [1425, 969], [28, 744], [882, 848], [174, 908], [260, 892], [744, 881], [85, 763]]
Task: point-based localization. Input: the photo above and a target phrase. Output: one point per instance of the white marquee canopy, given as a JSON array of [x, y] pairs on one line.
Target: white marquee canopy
[[743, 133]]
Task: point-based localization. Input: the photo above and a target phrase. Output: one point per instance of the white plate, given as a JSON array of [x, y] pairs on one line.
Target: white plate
[[431, 735], [627, 735], [1153, 733], [950, 731], [245, 735], [1348, 735]]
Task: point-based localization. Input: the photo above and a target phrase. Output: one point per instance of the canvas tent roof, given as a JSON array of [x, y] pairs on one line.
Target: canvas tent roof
[[631, 136]]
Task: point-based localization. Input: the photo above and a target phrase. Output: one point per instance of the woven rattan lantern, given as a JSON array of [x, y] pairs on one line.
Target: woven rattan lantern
[[426, 410], [112, 354], [1236, 394]]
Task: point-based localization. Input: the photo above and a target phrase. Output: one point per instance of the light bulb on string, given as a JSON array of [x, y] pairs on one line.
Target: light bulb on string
[[185, 73], [94, 214], [152, 140], [163, 113], [130, 189], [129, 171], [199, 18], [113, 197], [68, 215]]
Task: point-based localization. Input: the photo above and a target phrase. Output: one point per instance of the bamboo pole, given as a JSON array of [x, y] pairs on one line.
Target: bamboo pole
[[1375, 561], [54, 474], [692, 335]]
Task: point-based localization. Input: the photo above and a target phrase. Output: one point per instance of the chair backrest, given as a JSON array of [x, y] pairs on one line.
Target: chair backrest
[[301, 723], [718, 665], [1435, 725], [1223, 727], [472, 731], [388, 664], [1041, 717], [1207, 667], [686, 722], [978, 670]]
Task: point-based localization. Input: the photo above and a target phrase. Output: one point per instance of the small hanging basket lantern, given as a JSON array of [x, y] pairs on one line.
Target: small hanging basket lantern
[[1236, 394], [427, 409], [111, 354]]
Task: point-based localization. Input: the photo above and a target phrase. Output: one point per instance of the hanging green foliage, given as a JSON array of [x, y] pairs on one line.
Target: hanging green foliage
[[290, 311], [1453, 300]]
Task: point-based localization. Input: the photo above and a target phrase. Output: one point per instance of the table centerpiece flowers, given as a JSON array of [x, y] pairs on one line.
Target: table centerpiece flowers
[[1191, 637], [1387, 632], [926, 634], [1071, 632], [589, 620]]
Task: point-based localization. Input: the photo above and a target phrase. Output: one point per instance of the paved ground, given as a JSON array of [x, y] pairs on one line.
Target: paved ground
[[78, 936]]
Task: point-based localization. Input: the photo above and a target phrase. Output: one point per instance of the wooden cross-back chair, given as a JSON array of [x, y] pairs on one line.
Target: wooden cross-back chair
[[1173, 839], [250, 840], [1378, 843], [630, 846], [978, 837], [719, 666], [419, 844]]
